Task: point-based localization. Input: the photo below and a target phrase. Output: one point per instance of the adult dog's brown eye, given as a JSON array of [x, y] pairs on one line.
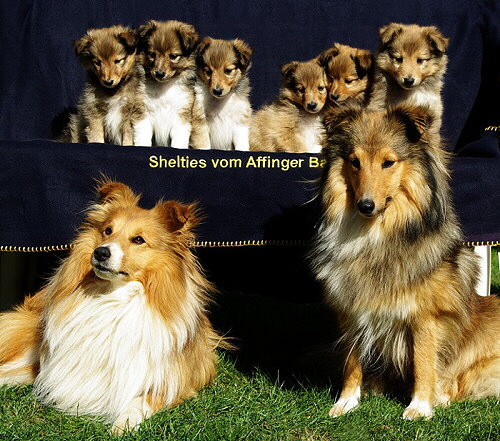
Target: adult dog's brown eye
[[138, 240], [355, 163]]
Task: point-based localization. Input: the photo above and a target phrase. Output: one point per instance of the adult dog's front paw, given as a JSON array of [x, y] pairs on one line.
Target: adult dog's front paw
[[343, 405], [418, 409]]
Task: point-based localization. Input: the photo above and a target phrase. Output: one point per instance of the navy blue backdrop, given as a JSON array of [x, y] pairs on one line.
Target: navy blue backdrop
[[44, 185]]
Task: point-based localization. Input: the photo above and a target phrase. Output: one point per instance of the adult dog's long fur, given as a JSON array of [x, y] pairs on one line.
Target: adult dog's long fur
[[389, 255], [121, 330]]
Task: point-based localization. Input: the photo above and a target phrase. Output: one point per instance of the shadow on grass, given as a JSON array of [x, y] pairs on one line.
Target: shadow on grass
[[287, 341]]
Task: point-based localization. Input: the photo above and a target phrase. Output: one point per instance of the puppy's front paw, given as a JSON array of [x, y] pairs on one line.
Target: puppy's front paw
[[343, 405], [418, 409]]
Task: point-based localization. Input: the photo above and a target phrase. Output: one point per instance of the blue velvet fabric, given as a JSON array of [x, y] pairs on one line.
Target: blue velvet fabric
[[45, 185]]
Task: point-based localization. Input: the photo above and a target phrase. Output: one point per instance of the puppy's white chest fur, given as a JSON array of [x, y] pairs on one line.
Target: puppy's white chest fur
[[114, 118], [227, 119], [104, 349], [310, 129], [168, 105]]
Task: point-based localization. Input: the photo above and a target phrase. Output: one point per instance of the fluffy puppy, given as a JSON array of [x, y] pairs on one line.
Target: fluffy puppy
[[167, 55], [111, 102], [410, 66], [222, 92], [350, 74], [121, 330], [293, 122]]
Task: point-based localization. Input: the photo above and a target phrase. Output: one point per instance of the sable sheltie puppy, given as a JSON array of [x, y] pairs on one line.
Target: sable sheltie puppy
[[390, 257], [293, 122], [167, 54], [121, 330], [350, 74], [410, 66], [222, 93], [111, 102]]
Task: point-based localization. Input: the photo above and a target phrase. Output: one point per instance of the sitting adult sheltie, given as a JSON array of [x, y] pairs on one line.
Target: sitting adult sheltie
[[389, 255], [121, 330]]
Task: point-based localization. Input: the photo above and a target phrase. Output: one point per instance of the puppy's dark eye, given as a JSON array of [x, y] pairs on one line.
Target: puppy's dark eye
[[108, 231], [151, 55], [321, 88], [355, 163], [119, 60], [97, 63], [399, 59], [174, 57], [387, 164], [138, 240], [228, 71], [300, 89], [207, 71]]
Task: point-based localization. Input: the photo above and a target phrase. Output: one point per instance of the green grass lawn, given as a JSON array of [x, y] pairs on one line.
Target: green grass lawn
[[252, 407], [495, 271]]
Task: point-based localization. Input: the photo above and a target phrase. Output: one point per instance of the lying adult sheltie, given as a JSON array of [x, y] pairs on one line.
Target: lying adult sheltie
[[389, 255], [121, 330]]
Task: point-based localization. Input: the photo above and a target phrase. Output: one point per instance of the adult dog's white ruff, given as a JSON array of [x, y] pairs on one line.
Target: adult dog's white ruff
[[106, 350]]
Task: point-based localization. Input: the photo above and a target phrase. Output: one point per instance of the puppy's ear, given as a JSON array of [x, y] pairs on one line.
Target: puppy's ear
[[437, 41], [129, 40], [82, 45], [109, 191], [288, 69], [416, 121], [200, 50], [363, 60], [243, 53], [327, 55], [179, 218], [188, 38], [388, 33], [144, 31]]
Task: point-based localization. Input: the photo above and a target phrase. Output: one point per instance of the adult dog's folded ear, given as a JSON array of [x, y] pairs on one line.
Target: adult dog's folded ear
[[112, 191], [179, 218], [416, 120]]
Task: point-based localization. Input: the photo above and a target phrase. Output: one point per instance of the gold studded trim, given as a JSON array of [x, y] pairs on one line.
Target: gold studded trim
[[212, 244]]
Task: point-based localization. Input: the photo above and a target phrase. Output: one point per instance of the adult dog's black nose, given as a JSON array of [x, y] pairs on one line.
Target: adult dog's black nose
[[217, 91], [312, 105], [334, 96], [408, 82], [366, 206], [160, 74], [102, 254]]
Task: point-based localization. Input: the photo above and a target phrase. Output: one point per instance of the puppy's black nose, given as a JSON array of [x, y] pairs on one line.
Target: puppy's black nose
[[334, 96], [312, 105], [366, 206], [160, 74], [408, 82], [216, 91], [102, 254], [108, 83]]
